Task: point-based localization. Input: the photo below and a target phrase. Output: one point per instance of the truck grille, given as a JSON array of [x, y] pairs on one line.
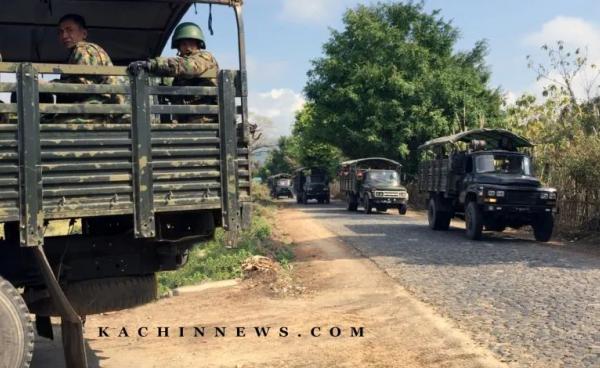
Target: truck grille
[[520, 197], [390, 194]]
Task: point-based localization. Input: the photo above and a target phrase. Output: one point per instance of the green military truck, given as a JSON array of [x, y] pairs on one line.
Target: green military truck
[[373, 182], [311, 183], [280, 185], [144, 189], [485, 177]]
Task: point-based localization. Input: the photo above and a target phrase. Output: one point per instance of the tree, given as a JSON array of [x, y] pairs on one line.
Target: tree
[[390, 80], [280, 160]]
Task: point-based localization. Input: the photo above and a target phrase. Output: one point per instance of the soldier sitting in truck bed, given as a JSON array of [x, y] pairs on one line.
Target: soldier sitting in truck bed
[[191, 62], [72, 33]]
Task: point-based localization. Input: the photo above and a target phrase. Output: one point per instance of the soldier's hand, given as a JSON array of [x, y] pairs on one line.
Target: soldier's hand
[[137, 66]]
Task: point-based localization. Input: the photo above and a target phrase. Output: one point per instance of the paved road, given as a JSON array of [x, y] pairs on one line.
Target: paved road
[[533, 305]]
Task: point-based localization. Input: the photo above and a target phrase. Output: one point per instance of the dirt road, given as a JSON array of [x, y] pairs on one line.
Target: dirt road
[[333, 289]]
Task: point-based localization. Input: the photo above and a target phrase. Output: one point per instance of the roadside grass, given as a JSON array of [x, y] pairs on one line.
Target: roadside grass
[[213, 261]]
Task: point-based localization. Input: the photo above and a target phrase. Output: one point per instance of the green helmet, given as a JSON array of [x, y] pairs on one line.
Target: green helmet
[[189, 31]]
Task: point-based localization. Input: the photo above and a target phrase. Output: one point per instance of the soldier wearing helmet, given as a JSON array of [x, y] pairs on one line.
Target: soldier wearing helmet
[[187, 68]]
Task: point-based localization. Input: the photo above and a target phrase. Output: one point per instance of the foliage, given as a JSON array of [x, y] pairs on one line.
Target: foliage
[[280, 160], [391, 80], [565, 126], [213, 261]]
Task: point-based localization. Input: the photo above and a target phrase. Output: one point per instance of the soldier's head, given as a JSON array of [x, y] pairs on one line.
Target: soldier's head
[[71, 29], [188, 37]]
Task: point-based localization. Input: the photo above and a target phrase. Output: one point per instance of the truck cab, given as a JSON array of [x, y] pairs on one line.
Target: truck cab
[[486, 177], [280, 185], [311, 183], [373, 183]]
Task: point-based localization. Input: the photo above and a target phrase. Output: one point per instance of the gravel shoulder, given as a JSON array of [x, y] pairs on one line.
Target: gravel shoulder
[[330, 285]]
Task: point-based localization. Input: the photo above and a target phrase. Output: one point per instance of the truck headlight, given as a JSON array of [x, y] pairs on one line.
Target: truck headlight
[[491, 193], [544, 195], [500, 193], [552, 195]]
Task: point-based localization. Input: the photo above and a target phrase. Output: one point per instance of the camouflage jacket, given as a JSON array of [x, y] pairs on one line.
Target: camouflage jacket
[[186, 69], [87, 53]]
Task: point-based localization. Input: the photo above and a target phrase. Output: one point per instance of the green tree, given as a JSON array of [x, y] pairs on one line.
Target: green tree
[[280, 160], [390, 80]]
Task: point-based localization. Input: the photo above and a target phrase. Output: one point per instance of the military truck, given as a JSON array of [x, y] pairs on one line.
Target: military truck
[[485, 176], [144, 189], [280, 185], [373, 182], [311, 183]]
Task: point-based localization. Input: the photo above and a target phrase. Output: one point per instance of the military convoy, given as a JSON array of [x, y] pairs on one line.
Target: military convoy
[[144, 189], [311, 183], [484, 176], [280, 185], [373, 182]]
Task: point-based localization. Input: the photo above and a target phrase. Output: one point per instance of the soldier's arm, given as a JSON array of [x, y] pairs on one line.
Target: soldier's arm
[[179, 67], [79, 56]]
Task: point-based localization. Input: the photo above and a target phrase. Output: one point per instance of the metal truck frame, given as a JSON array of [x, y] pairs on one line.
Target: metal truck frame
[[146, 189], [493, 200], [356, 191]]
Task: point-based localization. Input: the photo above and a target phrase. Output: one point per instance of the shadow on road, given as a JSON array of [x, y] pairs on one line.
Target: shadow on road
[[49, 353]]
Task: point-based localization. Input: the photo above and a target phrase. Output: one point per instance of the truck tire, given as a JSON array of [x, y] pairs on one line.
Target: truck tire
[[473, 221], [367, 205], [16, 329], [304, 199], [298, 198], [327, 200], [438, 220], [403, 208], [351, 202], [103, 295], [543, 226]]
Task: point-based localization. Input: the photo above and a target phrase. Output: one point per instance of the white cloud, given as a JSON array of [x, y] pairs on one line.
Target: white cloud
[[312, 11], [279, 106], [576, 33]]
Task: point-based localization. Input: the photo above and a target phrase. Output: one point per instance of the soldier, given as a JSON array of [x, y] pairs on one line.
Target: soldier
[[187, 67], [72, 33]]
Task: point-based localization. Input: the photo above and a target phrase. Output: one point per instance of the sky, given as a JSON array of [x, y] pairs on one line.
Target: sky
[[283, 36]]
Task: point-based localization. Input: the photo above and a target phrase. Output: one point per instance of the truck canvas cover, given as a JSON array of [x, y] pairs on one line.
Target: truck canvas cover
[[492, 136], [127, 29]]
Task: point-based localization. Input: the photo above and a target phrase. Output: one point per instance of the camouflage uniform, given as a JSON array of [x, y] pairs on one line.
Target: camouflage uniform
[[87, 53], [187, 70]]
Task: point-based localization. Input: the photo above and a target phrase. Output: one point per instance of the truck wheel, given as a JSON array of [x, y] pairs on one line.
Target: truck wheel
[[298, 198], [543, 226], [474, 221], [367, 205], [351, 202], [327, 200], [304, 199], [16, 330], [403, 208], [438, 220]]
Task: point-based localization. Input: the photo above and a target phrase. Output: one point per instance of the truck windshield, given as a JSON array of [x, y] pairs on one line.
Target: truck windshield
[[317, 179], [389, 178], [284, 182], [504, 164]]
